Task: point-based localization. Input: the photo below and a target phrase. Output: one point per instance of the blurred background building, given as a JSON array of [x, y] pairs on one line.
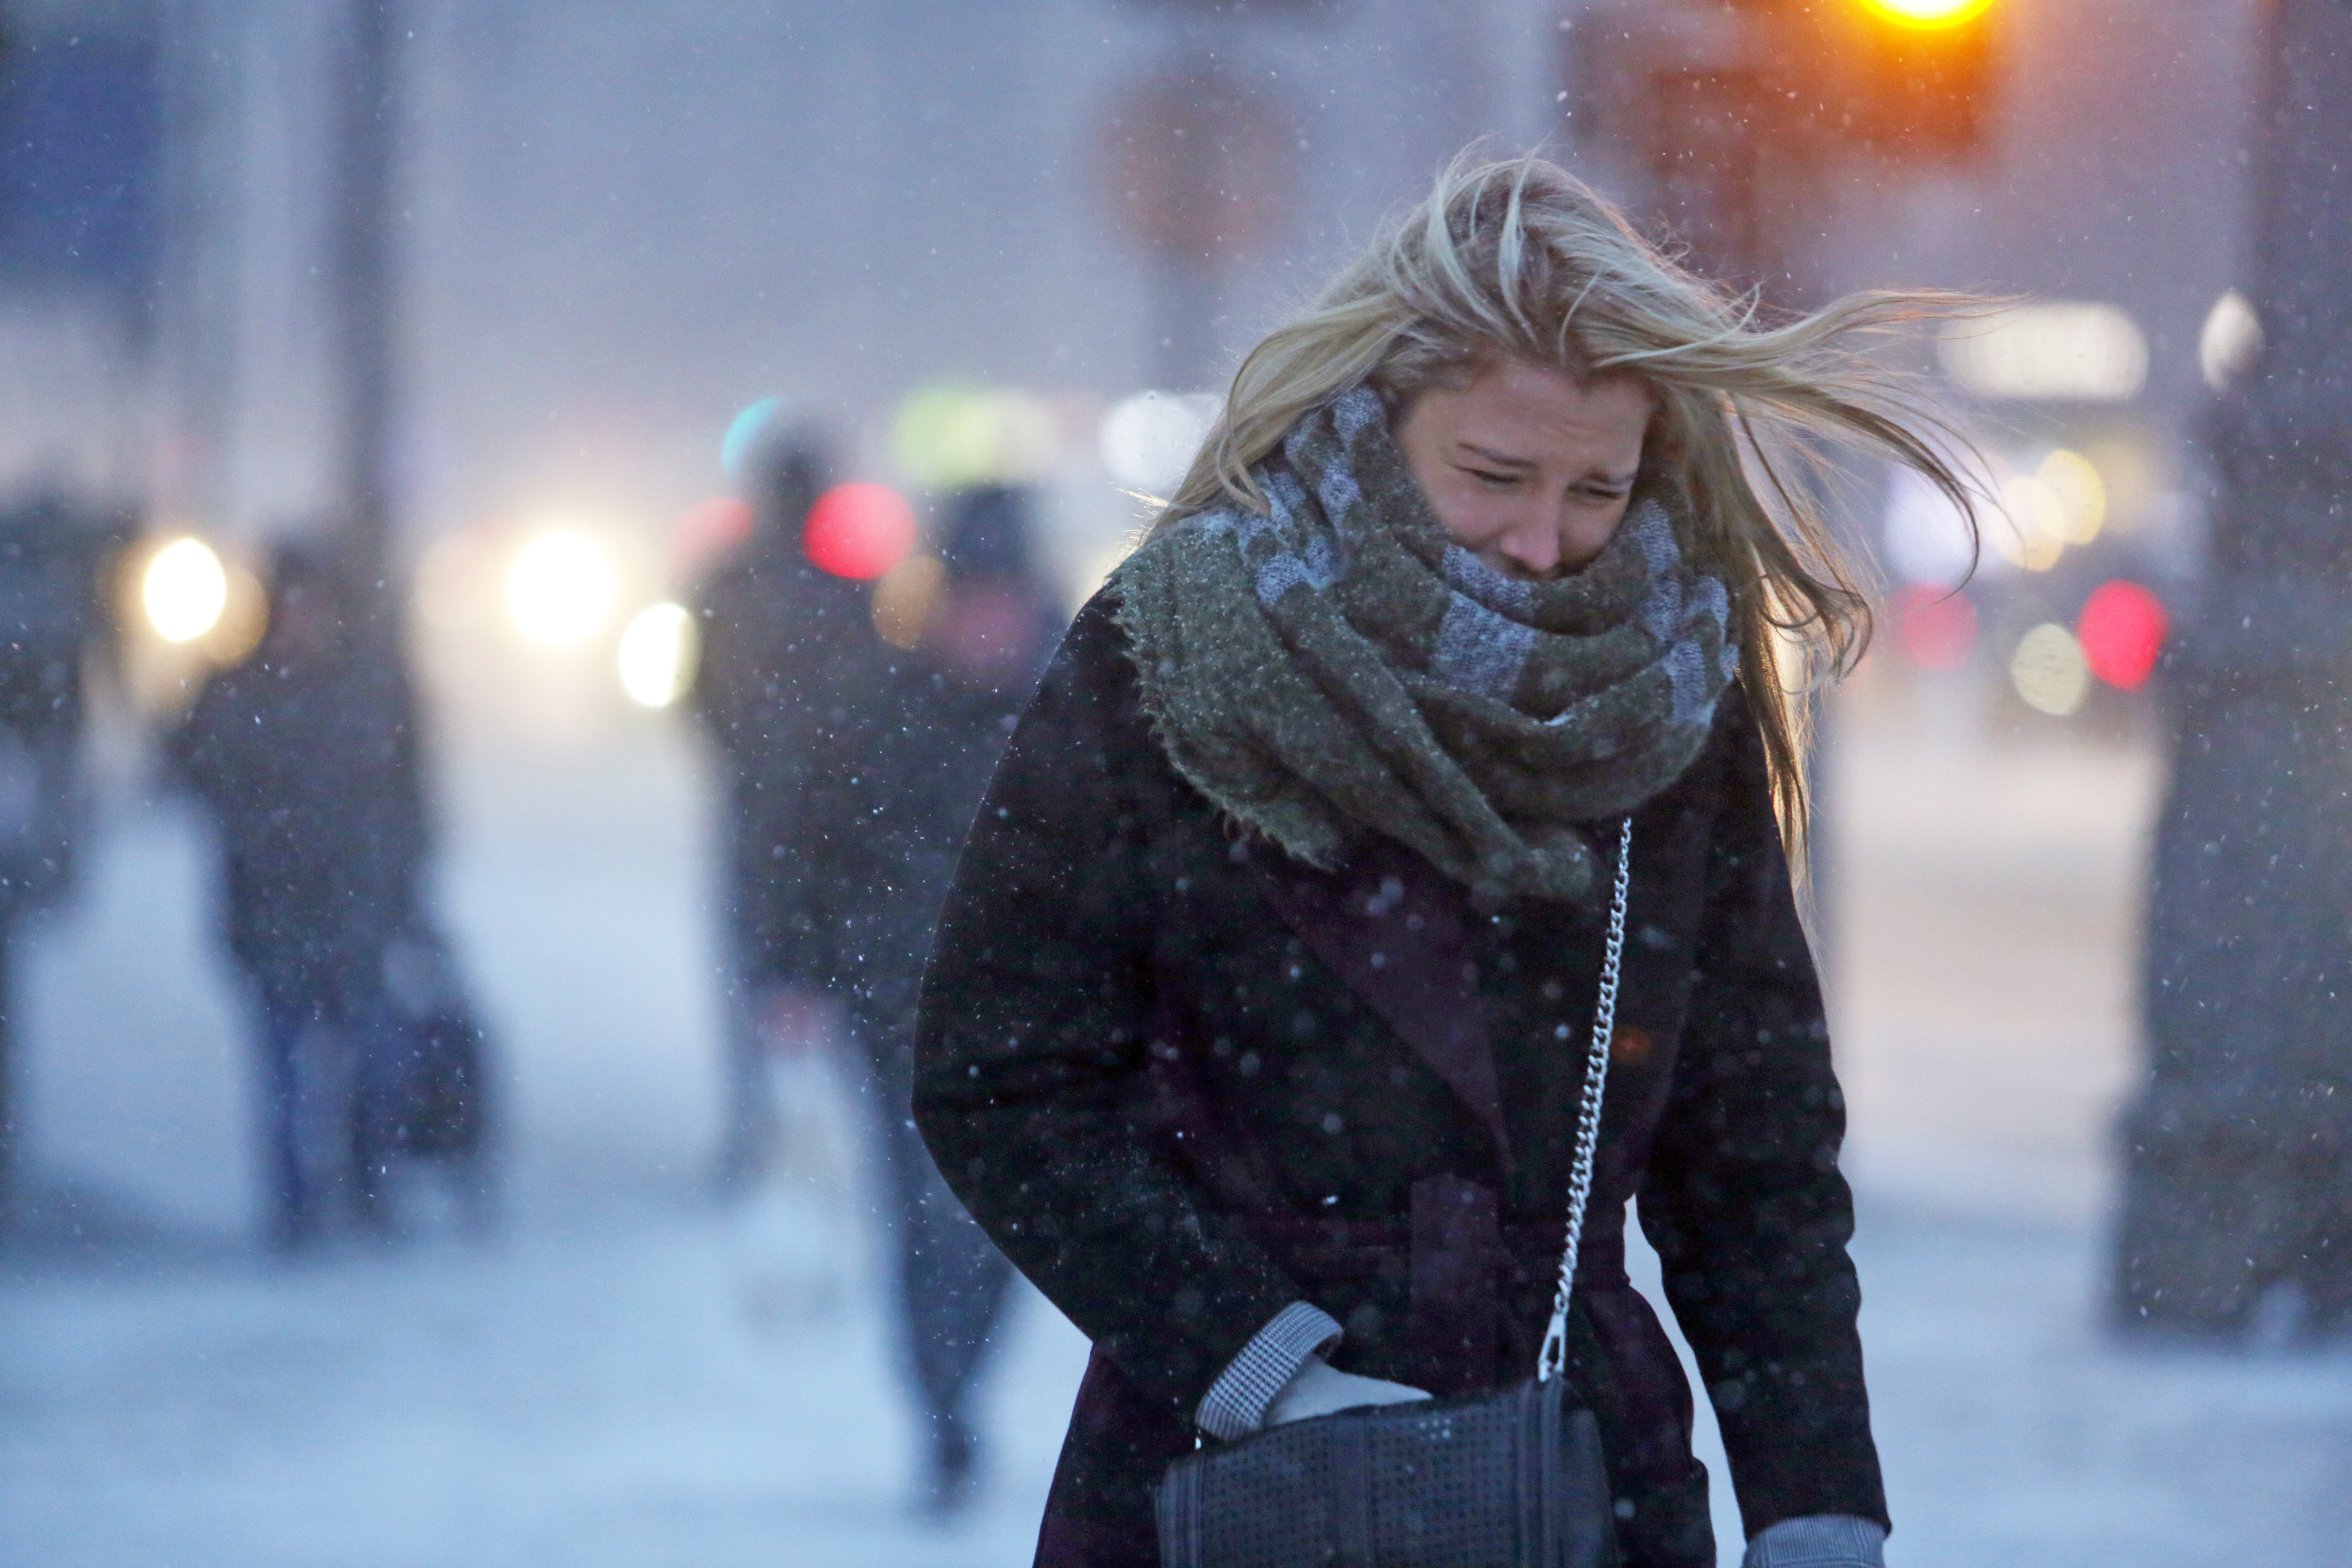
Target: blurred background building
[[518, 287]]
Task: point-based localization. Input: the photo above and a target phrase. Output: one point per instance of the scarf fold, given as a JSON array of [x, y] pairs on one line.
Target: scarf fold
[[1339, 666]]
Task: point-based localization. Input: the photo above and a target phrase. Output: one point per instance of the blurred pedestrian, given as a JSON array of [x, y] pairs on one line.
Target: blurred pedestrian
[[885, 821], [306, 756], [55, 552], [1269, 994], [789, 663]]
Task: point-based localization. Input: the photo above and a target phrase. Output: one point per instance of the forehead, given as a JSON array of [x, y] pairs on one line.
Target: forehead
[[1527, 403]]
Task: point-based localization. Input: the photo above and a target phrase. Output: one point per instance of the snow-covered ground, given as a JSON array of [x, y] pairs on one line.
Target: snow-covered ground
[[630, 1374]]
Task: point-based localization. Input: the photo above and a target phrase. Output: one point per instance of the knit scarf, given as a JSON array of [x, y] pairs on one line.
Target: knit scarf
[[1339, 666]]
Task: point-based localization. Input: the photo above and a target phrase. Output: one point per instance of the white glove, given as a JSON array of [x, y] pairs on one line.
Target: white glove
[[1319, 1390]]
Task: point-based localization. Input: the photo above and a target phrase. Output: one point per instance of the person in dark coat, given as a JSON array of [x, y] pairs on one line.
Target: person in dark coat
[[1255, 1029], [306, 755], [55, 555], [881, 826], [789, 663]]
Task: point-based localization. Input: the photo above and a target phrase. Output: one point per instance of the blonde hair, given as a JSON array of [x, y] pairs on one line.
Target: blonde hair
[[1519, 258]]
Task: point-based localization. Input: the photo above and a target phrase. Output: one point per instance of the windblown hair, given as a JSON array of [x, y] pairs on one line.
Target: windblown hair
[[1519, 258]]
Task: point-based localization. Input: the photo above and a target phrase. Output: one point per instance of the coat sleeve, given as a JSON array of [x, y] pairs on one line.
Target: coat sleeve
[[1743, 1199], [1035, 1028]]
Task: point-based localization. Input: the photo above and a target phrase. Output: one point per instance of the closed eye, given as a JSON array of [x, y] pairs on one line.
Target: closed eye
[[1493, 480]]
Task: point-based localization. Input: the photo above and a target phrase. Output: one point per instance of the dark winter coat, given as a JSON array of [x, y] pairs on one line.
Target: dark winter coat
[[790, 675], [310, 770], [1184, 1081]]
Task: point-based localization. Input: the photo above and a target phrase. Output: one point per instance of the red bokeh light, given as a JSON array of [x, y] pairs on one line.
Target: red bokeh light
[[1937, 630], [859, 532], [706, 530], [2121, 631]]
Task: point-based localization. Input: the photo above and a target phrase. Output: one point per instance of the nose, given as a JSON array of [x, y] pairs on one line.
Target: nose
[[1531, 544]]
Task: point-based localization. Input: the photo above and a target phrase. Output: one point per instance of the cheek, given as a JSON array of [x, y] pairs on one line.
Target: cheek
[[1585, 531], [1469, 515]]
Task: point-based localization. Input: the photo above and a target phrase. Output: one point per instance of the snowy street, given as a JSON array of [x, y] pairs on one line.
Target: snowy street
[[631, 1375], [515, 515]]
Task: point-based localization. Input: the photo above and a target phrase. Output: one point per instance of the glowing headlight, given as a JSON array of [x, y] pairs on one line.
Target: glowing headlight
[[560, 589], [184, 590], [657, 656]]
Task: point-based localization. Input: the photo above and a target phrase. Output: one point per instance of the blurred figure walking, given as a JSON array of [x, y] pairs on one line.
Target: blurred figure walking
[[307, 757], [883, 821], [55, 554], [788, 662]]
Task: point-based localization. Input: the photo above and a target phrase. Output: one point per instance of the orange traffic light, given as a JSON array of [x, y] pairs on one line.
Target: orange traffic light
[[1917, 80], [1928, 16], [1917, 76]]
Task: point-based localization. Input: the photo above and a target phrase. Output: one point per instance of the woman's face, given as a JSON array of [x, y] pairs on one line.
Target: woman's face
[[1528, 468]]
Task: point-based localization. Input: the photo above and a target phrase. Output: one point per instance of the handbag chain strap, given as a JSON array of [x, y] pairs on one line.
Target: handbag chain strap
[[1553, 1358]]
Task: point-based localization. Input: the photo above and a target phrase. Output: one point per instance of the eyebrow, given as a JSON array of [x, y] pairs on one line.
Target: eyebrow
[[1502, 460], [1497, 459]]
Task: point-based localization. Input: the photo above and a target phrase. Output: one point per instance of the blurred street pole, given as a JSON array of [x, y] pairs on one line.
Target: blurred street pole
[[198, 299], [365, 282], [2237, 1153]]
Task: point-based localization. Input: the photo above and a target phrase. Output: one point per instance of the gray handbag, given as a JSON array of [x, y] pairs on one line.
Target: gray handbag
[[1514, 1480]]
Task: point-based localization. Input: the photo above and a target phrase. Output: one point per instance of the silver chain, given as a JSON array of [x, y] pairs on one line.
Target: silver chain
[[1553, 1359]]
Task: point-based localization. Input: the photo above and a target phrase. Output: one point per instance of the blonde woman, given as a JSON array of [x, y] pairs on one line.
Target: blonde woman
[[1256, 1029]]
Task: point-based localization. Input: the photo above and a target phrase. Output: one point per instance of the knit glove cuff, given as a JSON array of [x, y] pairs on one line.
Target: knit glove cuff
[[1235, 1405], [1819, 1541]]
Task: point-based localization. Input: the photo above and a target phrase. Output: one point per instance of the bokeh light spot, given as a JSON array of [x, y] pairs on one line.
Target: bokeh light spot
[[2048, 670], [2028, 528], [904, 598], [743, 434], [559, 588], [1926, 535], [2073, 487], [2122, 630], [1938, 630], [183, 590], [2231, 342], [2057, 351], [951, 435], [859, 530], [708, 529], [1927, 15], [657, 655], [1149, 440]]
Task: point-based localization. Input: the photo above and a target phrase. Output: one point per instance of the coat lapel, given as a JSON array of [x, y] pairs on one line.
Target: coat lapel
[[1396, 931]]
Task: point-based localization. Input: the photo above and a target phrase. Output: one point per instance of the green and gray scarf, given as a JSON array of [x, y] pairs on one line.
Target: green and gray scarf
[[1340, 666]]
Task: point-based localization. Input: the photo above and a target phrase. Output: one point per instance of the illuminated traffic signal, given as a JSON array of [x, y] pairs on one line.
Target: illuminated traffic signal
[[1917, 75], [1913, 79], [1927, 16]]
